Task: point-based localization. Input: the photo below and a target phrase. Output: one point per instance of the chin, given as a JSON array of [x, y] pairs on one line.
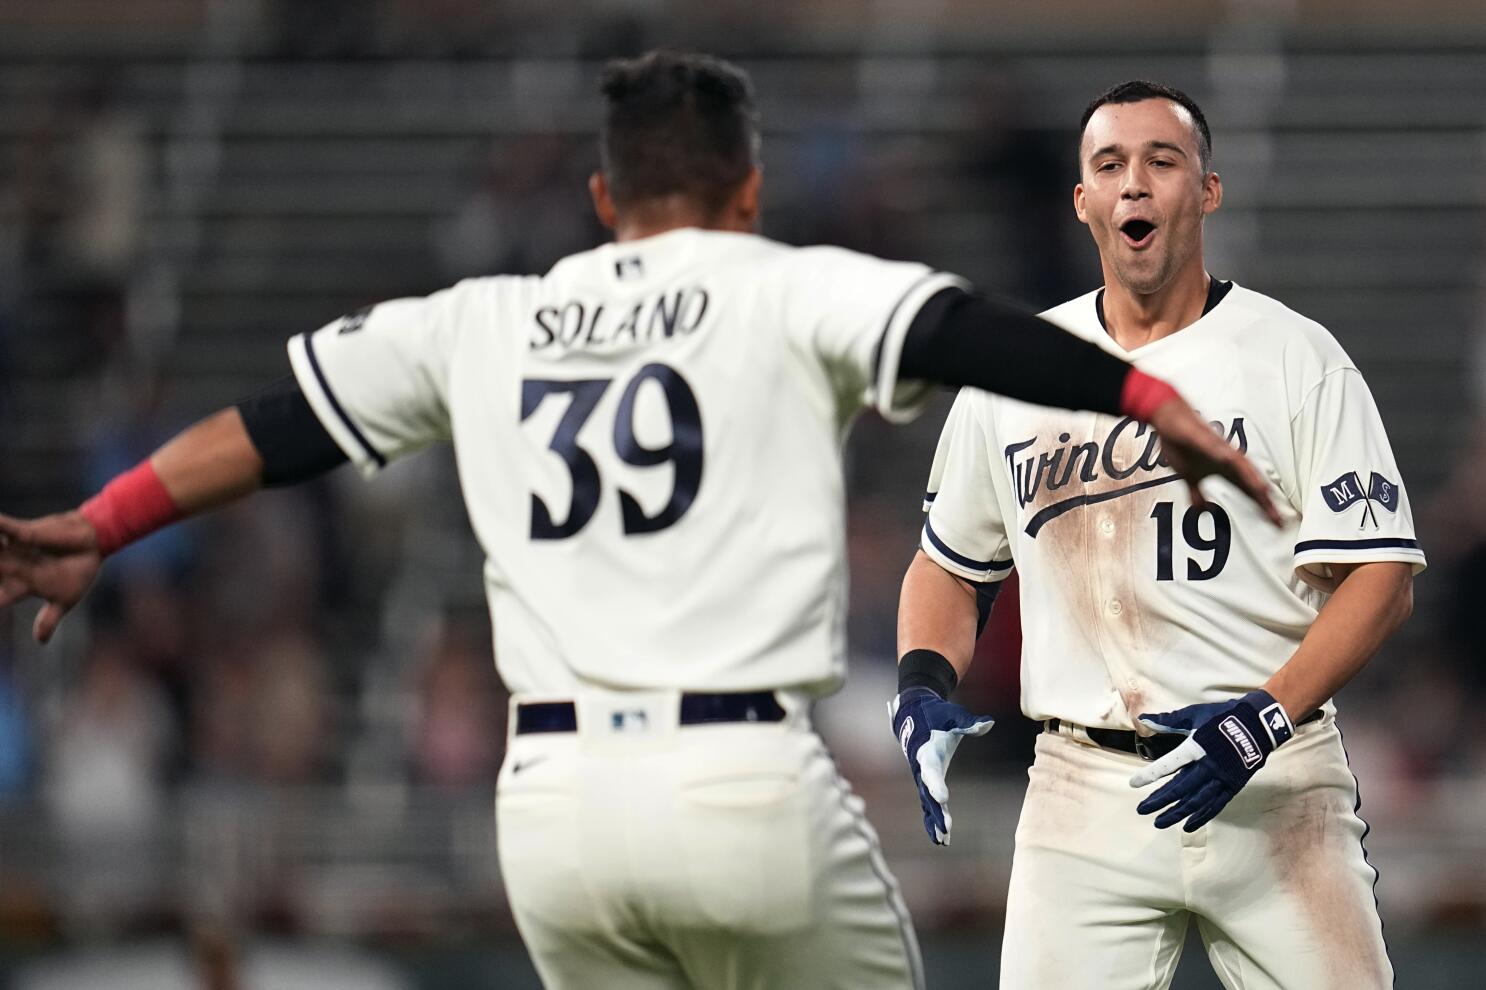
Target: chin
[[1144, 283]]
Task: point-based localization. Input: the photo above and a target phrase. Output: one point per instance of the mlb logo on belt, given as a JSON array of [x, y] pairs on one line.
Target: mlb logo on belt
[[629, 720]]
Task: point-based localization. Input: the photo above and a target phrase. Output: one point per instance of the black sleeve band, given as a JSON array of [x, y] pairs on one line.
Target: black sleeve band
[[288, 435], [985, 597], [963, 338], [928, 669]]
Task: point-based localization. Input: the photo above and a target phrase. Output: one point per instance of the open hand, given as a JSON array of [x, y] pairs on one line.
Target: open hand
[[1196, 451], [54, 558]]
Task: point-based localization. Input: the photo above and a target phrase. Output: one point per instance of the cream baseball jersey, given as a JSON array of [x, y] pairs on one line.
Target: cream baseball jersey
[[648, 439], [1133, 599]]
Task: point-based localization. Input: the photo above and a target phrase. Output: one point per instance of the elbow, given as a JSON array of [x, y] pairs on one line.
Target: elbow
[[1405, 599]]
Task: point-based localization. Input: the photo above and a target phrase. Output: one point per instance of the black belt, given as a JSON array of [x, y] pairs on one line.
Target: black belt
[[1148, 748], [696, 709]]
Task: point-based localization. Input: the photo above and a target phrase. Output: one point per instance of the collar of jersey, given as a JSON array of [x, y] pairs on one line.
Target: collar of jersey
[[1217, 291]]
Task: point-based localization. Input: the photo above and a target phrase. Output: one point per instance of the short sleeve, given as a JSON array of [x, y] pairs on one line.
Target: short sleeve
[[377, 379], [963, 531], [853, 311], [1353, 504]]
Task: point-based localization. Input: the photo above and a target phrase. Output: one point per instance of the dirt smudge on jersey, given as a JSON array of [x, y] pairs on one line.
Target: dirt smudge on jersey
[[1065, 541], [1135, 704]]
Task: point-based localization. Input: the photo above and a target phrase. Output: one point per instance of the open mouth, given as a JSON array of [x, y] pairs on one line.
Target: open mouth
[[1137, 232]]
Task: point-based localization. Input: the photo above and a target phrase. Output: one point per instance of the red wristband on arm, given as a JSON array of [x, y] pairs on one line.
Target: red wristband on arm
[[130, 507], [1143, 394]]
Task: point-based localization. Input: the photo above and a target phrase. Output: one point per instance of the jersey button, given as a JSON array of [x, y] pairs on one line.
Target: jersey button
[[1115, 608], [1106, 525]]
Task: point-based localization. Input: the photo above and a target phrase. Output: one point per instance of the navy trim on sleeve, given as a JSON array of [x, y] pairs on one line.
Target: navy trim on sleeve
[[930, 496], [372, 452], [1382, 544], [961, 559]]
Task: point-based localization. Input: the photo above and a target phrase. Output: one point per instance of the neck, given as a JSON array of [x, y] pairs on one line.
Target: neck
[[1135, 319], [657, 216]]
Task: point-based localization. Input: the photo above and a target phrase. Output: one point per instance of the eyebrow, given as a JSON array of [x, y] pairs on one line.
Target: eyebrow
[[1112, 149]]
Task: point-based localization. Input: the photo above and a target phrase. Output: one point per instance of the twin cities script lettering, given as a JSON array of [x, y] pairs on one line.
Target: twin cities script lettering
[[573, 325], [1036, 474]]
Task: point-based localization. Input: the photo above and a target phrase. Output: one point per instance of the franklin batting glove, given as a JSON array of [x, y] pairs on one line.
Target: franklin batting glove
[[929, 730], [1227, 742]]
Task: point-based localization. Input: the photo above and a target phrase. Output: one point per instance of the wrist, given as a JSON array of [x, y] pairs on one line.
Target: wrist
[[1273, 718], [927, 669], [130, 507], [1143, 394]]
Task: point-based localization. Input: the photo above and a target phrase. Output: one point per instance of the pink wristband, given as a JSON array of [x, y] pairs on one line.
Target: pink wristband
[[130, 507], [1143, 394]]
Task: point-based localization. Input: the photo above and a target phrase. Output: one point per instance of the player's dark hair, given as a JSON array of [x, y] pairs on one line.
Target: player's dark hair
[[1137, 90], [677, 123]]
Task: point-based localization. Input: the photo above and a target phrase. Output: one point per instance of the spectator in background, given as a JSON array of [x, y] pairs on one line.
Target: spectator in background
[[460, 724], [524, 213], [106, 182], [105, 775], [293, 731]]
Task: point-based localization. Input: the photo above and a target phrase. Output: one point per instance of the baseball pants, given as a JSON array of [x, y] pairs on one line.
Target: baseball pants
[[1278, 883], [642, 854]]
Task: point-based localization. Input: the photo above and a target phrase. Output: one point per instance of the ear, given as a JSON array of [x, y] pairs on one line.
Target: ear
[[1212, 192], [744, 206], [1080, 208], [603, 203]]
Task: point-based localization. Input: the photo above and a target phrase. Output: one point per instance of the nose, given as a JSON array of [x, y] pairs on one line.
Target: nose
[[1133, 184]]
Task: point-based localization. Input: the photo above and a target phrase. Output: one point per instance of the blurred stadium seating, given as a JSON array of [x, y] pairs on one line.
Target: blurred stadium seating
[[282, 722]]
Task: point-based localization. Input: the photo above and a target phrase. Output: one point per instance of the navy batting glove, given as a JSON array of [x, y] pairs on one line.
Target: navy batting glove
[[930, 729], [1227, 743]]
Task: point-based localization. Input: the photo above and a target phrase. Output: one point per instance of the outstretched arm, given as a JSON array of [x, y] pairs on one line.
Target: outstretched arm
[[271, 438], [57, 557], [959, 338]]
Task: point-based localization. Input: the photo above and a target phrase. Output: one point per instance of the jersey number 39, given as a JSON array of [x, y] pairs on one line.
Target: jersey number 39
[[684, 450]]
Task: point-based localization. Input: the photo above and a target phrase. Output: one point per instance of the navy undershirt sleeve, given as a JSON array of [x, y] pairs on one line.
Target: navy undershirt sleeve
[[961, 338], [288, 435]]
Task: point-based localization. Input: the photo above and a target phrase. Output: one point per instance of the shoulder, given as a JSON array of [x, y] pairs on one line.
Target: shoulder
[[1078, 315], [1306, 345]]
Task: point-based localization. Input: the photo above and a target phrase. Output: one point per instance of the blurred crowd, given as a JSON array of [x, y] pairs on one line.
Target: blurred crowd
[[331, 638]]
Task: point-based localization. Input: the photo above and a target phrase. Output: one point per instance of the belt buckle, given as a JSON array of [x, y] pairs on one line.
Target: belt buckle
[[1143, 749]]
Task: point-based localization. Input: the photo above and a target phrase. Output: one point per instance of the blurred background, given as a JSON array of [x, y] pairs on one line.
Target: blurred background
[[263, 755]]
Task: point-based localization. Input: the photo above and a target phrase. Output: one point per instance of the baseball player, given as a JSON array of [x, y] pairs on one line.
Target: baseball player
[[648, 443], [1175, 645]]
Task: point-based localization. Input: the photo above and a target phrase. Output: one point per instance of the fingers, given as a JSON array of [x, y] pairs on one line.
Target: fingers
[[11, 528], [47, 621], [1208, 811], [1199, 801], [979, 727], [1167, 723], [12, 590], [936, 818], [1188, 752], [1242, 472]]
